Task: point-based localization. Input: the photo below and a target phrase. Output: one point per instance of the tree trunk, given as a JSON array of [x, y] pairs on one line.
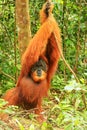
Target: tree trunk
[[23, 24]]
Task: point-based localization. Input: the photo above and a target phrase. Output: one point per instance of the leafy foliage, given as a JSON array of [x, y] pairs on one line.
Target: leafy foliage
[[66, 107]]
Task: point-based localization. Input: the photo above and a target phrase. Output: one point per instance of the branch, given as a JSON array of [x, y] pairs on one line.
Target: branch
[[7, 75], [64, 59]]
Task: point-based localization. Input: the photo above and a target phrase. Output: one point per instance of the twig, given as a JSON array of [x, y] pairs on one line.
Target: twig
[[83, 98], [78, 38], [8, 75], [9, 37]]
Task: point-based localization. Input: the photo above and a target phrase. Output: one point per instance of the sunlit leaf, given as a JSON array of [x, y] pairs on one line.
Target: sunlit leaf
[[31, 127], [44, 126], [20, 125]]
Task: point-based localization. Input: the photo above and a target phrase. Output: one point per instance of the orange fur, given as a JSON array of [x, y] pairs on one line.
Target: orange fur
[[43, 45]]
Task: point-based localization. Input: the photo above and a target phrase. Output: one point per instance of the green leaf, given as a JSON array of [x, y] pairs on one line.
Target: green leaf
[[44, 126], [2, 102], [20, 125], [31, 127], [77, 103], [69, 127]]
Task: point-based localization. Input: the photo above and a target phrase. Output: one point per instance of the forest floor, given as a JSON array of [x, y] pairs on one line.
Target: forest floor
[[64, 109], [20, 119]]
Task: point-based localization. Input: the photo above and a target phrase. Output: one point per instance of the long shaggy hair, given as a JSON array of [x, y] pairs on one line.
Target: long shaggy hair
[[42, 46]]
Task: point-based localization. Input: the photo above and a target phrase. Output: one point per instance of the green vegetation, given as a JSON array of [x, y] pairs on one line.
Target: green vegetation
[[66, 106]]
